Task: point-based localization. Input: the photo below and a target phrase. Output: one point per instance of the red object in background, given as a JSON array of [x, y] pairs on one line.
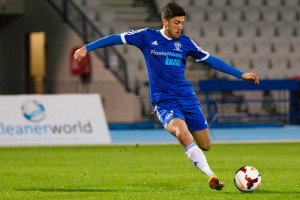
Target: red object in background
[[295, 78], [79, 68]]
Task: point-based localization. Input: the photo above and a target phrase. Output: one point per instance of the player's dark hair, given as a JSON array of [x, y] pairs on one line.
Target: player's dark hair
[[172, 10]]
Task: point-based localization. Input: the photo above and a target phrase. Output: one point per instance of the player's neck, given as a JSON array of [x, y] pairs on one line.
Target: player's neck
[[165, 33]]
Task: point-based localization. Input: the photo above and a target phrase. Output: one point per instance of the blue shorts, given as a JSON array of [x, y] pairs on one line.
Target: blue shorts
[[188, 110]]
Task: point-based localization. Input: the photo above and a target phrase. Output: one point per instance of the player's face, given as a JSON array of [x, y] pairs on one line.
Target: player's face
[[173, 27]]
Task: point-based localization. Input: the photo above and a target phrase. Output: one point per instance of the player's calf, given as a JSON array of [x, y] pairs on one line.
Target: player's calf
[[194, 153]]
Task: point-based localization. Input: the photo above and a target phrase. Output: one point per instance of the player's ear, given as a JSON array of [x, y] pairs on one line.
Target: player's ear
[[165, 22]]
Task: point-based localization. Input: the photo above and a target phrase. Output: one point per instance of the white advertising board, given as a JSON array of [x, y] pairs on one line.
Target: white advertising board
[[69, 119]]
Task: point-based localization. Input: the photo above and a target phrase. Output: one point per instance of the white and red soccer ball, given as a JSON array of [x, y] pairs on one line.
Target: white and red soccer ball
[[247, 179]]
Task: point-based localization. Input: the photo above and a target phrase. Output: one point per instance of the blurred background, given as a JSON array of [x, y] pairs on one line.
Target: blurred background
[[38, 38]]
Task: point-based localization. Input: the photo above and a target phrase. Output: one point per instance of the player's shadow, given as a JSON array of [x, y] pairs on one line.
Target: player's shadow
[[263, 192], [65, 190], [276, 192]]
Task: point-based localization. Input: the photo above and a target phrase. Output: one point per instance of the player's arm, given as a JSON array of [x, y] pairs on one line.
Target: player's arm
[[222, 66], [103, 42]]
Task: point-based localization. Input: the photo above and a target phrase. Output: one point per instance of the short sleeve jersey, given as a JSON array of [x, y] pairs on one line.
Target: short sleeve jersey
[[166, 62]]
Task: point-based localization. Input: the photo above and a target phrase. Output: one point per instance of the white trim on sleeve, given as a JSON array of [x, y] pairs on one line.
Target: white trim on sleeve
[[200, 49], [204, 58], [123, 38]]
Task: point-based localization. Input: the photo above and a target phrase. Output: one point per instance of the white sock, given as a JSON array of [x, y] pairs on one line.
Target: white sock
[[196, 155]]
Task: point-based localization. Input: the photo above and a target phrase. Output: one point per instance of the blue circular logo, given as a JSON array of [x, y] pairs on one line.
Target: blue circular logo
[[33, 110]]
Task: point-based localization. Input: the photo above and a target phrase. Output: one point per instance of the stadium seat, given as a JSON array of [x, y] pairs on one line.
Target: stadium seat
[[107, 16], [215, 15], [248, 30], [241, 62], [296, 29], [294, 61], [291, 71], [266, 30], [261, 65], [273, 3], [201, 4], [282, 46], [262, 46], [184, 3], [192, 30], [286, 30], [161, 4], [252, 14], [295, 45], [237, 3], [291, 2], [229, 30], [208, 45], [197, 14], [288, 14], [226, 47], [279, 63], [210, 30], [219, 3], [269, 14], [256, 3], [120, 28], [233, 14], [244, 46]]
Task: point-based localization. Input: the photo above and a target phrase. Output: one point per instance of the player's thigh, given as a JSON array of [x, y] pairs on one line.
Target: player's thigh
[[202, 138], [194, 117], [171, 117]]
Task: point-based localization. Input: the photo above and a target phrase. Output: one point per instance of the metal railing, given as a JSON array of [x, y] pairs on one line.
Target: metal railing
[[284, 107], [86, 29]]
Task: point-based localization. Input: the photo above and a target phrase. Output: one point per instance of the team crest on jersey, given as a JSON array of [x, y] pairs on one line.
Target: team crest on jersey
[[177, 46]]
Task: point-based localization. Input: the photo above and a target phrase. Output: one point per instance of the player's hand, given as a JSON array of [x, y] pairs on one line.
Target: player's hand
[[250, 77], [80, 54]]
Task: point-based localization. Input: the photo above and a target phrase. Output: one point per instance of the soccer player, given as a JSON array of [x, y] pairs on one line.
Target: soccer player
[[173, 97]]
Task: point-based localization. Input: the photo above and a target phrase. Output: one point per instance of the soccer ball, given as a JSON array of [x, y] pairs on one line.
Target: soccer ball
[[247, 179]]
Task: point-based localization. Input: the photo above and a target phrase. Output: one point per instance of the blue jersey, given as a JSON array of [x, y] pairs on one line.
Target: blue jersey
[[166, 62], [166, 59]]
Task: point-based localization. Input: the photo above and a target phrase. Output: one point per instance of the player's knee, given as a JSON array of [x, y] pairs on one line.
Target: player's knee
[[205, 147], [184, 138]]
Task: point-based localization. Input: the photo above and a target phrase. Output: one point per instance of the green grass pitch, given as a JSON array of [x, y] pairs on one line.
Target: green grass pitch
[[145, 172]]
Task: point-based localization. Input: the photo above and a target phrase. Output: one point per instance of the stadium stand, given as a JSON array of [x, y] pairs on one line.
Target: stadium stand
[[252, 35], [254, 2]]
